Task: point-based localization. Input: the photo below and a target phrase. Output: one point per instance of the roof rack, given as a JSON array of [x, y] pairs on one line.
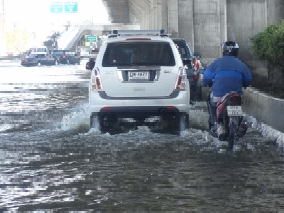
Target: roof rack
[[116, 33]]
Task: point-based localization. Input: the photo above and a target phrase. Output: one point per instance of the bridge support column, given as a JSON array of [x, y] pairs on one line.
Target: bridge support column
[[173, 25], [186, 21]]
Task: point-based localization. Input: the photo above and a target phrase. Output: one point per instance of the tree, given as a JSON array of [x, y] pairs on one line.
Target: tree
[[269, 44]]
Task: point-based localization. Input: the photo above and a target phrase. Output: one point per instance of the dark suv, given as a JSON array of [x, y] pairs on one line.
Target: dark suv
[[191, 60], [66, 57]]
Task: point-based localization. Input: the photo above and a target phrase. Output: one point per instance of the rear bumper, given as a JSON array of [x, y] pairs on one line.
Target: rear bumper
[[137, 113], [71, 60], [142, 105], [28, 64]]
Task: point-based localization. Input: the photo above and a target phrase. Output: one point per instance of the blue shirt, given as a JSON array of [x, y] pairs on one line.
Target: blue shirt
[[227, 74]]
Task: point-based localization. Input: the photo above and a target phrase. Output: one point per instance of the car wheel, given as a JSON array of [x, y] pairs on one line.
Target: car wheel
[[109, 123]]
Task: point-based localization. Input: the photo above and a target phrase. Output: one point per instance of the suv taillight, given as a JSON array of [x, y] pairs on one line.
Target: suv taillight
[[181, 81], [195, 64], [96, 81]]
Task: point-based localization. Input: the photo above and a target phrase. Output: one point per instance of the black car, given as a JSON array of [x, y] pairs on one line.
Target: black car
[[192, 62], [38, 59], [66, 57]]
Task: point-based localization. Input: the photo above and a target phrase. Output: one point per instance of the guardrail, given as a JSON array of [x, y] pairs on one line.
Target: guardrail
[[18, 57]]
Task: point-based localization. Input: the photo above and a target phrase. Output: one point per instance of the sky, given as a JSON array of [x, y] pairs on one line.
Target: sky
[[36, 15]]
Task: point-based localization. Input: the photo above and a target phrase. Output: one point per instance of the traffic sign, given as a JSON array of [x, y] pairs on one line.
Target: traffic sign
[[71, 7], [91, 38], [56, 7]]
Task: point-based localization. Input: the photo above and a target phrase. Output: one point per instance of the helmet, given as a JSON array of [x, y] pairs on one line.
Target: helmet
[[230, 48]]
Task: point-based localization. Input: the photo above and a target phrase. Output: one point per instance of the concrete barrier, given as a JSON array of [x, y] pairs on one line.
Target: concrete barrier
[[264, 108], [261, 106]]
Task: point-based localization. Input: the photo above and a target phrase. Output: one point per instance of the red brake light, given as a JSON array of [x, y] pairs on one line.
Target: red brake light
[[170, 107], [195, 64], [179, 82], [98, 83], [106, 108]]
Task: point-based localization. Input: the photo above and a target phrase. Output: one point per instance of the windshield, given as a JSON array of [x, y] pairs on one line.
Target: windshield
[[32, 56], [138, 53]]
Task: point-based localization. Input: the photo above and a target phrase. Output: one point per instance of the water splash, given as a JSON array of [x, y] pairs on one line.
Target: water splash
[[78, 118]]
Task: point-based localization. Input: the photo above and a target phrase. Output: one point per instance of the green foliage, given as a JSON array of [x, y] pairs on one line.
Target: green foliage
[[269, 44]]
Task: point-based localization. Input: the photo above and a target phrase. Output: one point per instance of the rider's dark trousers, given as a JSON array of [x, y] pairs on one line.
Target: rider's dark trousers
[[212, 112]]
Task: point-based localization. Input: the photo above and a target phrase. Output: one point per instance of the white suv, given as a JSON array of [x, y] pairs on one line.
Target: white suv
[[139, 80]]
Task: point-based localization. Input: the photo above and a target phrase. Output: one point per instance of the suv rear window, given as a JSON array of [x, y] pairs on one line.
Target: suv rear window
[[138, 53]]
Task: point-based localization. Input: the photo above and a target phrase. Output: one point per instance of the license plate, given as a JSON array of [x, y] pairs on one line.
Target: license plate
[[138, 75], [234, 110]]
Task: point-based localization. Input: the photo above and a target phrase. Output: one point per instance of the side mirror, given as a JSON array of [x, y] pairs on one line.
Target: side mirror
[[197, 55]]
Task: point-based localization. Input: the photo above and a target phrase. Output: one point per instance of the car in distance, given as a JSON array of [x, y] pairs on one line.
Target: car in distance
[[38, 59], [193, 66], [139, 80], [66, 57]]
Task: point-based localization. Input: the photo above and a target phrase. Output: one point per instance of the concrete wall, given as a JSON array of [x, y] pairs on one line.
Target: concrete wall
[[264, 108], [206, 24], [245, 19]]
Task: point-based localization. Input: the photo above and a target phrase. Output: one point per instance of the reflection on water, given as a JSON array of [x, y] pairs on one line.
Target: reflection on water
[[49, 159]]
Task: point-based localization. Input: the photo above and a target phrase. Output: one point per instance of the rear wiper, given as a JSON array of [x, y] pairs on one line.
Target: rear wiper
[[124, 64]]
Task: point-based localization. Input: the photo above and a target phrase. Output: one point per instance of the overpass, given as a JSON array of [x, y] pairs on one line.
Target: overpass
[[69, 39], [205, 24]]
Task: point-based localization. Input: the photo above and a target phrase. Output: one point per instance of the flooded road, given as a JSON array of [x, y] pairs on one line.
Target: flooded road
[[50, 160]]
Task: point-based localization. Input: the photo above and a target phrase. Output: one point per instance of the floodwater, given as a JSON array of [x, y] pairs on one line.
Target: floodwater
[[50, 160]]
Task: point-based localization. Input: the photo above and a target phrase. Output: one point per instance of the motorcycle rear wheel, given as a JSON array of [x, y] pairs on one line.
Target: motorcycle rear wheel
[[233, 129]]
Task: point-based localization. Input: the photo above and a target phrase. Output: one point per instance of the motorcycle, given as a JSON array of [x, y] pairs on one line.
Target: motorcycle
[[231, 124]]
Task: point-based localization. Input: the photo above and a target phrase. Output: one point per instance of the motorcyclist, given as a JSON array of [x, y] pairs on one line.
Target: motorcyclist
[[225, 74]]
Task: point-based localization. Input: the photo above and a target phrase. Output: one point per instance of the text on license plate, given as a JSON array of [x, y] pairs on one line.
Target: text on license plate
[[138, 75], [234, 110]]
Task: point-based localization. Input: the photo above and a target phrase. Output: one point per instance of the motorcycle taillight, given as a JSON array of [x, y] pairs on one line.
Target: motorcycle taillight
[[235, 100]]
